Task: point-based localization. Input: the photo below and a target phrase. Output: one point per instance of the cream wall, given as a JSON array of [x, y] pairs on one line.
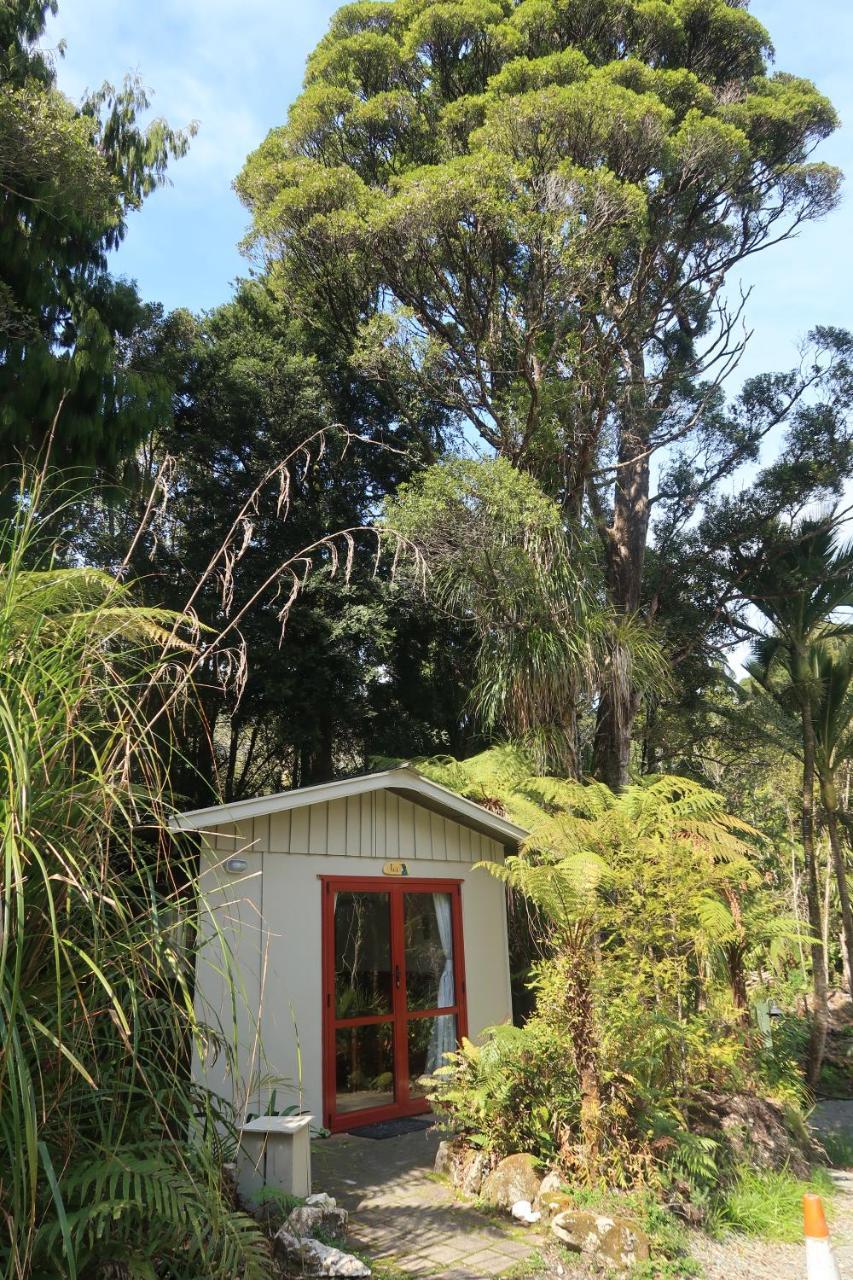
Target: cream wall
[[272, 916]]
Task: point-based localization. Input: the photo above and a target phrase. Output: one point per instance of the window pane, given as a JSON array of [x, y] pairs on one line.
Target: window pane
[[362, 954], [429, 950], [364, 1065], [429, 1040]]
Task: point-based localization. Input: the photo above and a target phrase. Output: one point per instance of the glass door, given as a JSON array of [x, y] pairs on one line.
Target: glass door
[[431, 1007], [364, 1002], [394, 994]]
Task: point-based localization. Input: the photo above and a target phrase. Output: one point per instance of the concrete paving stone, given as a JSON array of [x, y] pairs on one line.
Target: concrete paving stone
[[379, 1246], [416, 1266], [445, 1254], [514, 1248], [488, 1263], [398, 1210]]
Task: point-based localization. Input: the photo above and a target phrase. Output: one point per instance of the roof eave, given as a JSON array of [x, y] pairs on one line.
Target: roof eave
[[402, 779]]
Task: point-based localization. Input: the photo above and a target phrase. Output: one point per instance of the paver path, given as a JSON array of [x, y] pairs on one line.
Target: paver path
[[401, 1212]]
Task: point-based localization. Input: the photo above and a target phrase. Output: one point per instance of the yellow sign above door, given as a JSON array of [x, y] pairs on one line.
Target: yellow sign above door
[[395, 869]]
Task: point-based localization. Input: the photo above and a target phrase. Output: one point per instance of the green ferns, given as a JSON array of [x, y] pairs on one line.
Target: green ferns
[[134, 1208]]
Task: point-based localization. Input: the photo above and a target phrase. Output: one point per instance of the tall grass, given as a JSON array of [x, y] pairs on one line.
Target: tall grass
[[761, 1202], [110, 1157]]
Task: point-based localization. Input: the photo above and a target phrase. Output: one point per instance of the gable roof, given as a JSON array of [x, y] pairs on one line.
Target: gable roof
[[404, 781]]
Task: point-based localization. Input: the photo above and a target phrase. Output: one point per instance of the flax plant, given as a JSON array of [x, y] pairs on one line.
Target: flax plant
[[111, 1156]]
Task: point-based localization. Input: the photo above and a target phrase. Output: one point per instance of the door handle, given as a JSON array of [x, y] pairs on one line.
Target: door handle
[[397, 977]]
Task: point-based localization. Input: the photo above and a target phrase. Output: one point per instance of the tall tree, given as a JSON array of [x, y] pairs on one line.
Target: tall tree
[[500, 560], [705, 503], [529, 210], [798, 579], [365, 669], [69, 177], [830, 666]]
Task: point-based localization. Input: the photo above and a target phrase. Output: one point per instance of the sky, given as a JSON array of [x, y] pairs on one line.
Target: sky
[[234, 66]]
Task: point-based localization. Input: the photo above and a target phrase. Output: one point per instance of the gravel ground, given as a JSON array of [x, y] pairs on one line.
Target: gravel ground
[[739, 1258]]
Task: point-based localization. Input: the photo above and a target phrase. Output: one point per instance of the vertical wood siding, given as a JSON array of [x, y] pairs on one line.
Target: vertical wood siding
[[376, 825]]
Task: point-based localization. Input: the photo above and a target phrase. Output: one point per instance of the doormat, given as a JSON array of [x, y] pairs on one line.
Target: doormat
[[392, 1128]]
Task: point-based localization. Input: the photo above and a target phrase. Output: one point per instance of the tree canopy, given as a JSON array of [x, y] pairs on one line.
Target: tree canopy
[[69, 176], [530, 210]]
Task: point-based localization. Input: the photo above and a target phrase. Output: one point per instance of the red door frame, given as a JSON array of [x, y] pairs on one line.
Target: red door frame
[[403, 1105]]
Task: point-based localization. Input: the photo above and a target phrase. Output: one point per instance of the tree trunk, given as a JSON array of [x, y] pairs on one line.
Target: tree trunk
[[736, 956], [829, 795], [316, 758], [820, 1014], [575, 966], [617, 710], [650, 754], [625, 542], [737, 980], [231, 765], [827, 897], [570, 743]]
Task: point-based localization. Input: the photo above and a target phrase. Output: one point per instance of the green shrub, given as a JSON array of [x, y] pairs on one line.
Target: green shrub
[[646, 908], [515, 1092], [667, 1269]]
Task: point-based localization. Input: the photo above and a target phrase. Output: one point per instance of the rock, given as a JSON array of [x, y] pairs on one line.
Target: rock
[[755, 1132], [617, 1241], [551, 1182], [319, 1200], [523, 1211], [551, 1203], [324, 1218], [473, 1170], [463, 1165], [444, 1157], [515, 1178], [306, 1257]]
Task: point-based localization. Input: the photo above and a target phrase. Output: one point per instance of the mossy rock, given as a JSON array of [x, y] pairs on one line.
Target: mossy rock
[[551, 1203], [514, 1179], [621, 1242]]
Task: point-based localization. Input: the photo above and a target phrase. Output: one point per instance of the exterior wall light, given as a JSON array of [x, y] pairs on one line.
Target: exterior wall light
[[235, 865]]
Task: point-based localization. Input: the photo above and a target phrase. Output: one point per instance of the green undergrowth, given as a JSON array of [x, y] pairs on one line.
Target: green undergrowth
[[768, 1204], [275, 1205], [537, 1266], [839, 1148], [384, 1270], [667, 1269], [667, 1236]]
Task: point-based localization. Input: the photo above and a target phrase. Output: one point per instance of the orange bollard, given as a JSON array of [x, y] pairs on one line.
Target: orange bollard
[[820, 1263]]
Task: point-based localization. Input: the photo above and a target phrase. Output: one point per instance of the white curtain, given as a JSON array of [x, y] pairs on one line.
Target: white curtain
[[443, 1037]]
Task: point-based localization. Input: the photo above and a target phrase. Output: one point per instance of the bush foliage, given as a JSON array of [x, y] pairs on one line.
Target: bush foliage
[[648, 907]]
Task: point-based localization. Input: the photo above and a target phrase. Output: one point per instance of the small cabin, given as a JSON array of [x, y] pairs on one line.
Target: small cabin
[[365, 941]]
